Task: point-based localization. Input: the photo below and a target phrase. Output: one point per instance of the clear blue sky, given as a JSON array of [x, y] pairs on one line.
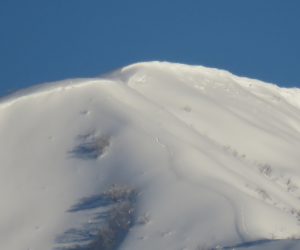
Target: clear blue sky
[[47, 40]]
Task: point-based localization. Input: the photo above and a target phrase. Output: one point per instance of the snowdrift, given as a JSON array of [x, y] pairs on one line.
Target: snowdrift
[[153, 156]]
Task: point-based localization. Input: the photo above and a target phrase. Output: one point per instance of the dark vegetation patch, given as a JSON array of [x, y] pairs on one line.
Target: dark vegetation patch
[[112, 217], [90, 147]]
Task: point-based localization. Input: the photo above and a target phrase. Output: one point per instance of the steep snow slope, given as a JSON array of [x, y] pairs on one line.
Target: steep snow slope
[[189, 157]]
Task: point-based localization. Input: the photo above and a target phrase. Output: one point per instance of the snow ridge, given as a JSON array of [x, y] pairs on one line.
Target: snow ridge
[[181, 157]]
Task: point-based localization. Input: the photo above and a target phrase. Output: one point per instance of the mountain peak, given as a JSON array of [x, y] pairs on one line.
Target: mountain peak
[[155, 155]]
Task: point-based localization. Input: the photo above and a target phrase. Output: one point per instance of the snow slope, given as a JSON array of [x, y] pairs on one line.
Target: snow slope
[[202, 158]]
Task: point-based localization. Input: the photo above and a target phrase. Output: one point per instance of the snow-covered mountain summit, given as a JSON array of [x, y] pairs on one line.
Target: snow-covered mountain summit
[[152, 156]]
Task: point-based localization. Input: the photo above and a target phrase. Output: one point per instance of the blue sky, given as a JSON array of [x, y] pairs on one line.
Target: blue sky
[[42, 40]]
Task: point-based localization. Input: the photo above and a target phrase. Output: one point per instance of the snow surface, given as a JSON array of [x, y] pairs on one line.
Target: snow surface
[[213, 158]]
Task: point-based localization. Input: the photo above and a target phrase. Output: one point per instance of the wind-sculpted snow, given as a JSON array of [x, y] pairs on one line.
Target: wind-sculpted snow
[[152, 156]]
